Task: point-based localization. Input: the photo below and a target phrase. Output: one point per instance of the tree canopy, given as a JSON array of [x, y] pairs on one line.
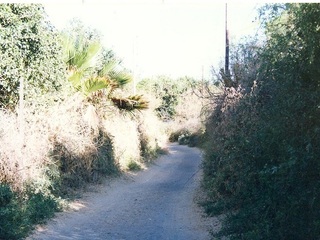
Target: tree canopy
[[29, 49]]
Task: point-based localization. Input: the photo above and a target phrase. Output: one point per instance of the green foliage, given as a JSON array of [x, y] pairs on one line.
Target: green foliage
[[94, 71], [168, 91], [182, 104], [167, 108], [28, 49], [20, 211], [174, 136], [195, 139], [262, 151], [184, 137], [5, 195], [133, 166], [40, 205], [245, 64]]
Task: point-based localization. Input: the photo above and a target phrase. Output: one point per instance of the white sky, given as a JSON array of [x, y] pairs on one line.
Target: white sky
[[161, 37]]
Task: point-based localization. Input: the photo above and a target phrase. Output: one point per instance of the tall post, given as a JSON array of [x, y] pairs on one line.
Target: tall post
[[226, 68]]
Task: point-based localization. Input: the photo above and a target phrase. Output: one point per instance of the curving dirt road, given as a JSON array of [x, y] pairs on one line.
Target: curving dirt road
[[157, 203]]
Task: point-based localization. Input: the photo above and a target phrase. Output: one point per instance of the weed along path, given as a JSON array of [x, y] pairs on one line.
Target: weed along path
[[157, 203]]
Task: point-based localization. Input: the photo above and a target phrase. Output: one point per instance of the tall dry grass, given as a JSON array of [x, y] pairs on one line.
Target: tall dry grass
[[188, 124], [125, 139], [72, 142], [152, 135], [29, 142], [135, 138]]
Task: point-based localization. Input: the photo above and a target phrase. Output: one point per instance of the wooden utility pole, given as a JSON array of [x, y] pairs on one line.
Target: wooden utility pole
[[226, 67]]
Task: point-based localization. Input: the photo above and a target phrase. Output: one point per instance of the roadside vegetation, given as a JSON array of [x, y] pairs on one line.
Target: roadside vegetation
[[182, 105], [69, 116], [262, 148]]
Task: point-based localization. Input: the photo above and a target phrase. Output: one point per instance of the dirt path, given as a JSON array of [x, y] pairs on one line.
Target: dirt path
[[154, 204]]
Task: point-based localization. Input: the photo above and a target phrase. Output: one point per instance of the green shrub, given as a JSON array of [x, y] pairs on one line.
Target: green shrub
[[168, 91], [194, 140], [6, 195], [261, 166], [133, 166], [185, 137], [19, 211], [179, 133], [40, 206]]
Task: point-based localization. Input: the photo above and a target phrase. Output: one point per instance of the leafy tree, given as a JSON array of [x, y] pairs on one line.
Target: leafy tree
[[168, 91], [28, 49], [245, 63]]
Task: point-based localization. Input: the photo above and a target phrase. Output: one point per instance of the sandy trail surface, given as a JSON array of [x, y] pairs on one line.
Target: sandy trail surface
[[157, 203]]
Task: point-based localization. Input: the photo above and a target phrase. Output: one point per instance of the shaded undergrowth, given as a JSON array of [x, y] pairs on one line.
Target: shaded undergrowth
[[261, 167]]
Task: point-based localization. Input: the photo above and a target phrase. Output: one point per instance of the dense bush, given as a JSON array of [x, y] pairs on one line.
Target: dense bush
[[262, 151], [19, 211], [168, 91], [28, 49]]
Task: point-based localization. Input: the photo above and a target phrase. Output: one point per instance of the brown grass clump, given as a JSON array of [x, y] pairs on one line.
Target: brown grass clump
[[152, 135], [125, 138], [10, 151], [135, 138], [25, 145], [59, 137], [188, 118], [72, 142], [74, 137]]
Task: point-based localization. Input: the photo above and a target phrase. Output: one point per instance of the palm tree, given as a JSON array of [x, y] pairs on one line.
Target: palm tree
[[96, 76]]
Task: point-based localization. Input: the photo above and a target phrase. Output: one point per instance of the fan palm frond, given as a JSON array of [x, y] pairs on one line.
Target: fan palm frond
[[120, 78], [107, 68], [89, 73], [130, 103], [79, 54], [84, 59], [75, 78], [95, 84]]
